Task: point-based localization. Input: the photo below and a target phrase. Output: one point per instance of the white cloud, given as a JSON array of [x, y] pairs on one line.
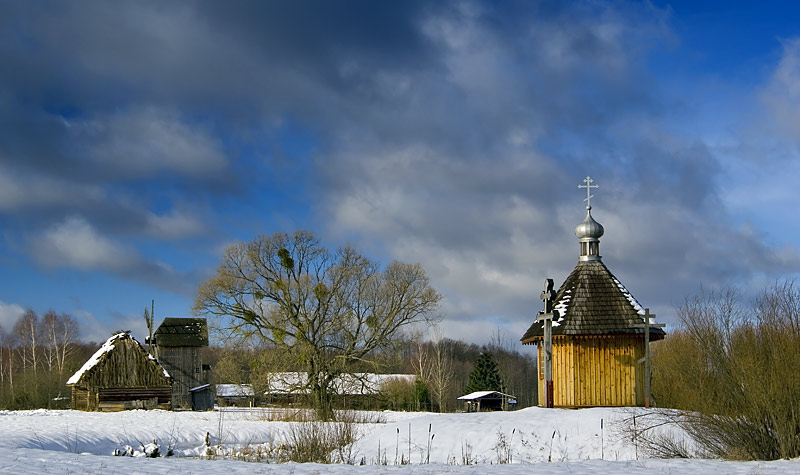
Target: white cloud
[[175, 225], [145, 141], [19, 191], [9, 313], [98, 330], [782, 94], [76, 243]]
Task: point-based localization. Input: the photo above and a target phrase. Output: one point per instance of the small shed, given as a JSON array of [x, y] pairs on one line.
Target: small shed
[[121, 375], [178, 344], [202, 398], [488, 401]]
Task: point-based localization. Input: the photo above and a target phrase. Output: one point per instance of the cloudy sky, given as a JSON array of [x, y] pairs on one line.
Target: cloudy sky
[[139, 139]]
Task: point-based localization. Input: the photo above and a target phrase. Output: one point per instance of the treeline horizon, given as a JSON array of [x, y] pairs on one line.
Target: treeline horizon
[[39, 353]]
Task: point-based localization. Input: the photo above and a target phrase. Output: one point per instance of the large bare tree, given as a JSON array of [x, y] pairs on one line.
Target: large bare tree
[[327, 309]]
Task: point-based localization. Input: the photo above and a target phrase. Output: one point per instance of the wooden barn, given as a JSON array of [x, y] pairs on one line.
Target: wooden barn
[[121, 375], [178, 343], [598, 337]]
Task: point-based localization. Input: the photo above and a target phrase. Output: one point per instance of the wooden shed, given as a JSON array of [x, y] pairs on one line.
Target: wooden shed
[[598, 338], [488, 401], [121, 375], [178, 345], [202, 398]]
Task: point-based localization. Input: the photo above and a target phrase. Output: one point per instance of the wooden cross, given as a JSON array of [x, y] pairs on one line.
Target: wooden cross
[[547, 316], [647, 354], [588, 180]]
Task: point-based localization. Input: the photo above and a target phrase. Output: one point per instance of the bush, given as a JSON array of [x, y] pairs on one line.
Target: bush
[[320, 442], [733, 369]]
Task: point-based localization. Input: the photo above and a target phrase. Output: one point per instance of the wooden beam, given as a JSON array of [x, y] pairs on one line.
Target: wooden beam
[[647, 355]]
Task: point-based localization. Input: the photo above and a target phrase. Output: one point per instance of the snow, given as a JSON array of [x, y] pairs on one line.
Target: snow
[[45, 441], [562, 304]]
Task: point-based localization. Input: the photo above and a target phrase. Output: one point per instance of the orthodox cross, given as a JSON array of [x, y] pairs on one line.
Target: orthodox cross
[[647, 354], [547, 316], [588, 186]]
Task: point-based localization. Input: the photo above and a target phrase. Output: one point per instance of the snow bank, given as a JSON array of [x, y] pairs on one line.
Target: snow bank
[[44, 441]]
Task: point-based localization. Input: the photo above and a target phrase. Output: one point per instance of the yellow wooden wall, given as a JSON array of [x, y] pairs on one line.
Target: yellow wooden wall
[[595, 371]]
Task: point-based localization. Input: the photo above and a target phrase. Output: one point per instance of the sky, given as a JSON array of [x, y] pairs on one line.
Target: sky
[[138, 140]]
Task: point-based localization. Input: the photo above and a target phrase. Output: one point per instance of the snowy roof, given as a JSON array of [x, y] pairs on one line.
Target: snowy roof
[[591, 301], [107, 347], [235, 390], [482, 394], [349, 384]]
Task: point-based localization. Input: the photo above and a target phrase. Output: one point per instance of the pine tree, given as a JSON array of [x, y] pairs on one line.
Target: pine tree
[[485, 376]]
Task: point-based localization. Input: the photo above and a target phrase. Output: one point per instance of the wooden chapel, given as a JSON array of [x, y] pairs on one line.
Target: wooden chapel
[[598, 332]]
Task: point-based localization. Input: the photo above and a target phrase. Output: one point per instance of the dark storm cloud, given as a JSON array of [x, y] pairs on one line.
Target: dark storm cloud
[[453, 133]]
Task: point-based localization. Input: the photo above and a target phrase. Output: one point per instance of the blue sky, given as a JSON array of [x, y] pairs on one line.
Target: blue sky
[[139, 139]]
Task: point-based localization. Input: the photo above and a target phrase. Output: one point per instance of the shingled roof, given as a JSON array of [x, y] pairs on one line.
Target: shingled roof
[[593, 302], [182, 332]]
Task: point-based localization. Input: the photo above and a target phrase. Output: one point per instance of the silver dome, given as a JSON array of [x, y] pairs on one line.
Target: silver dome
[[589, 229]]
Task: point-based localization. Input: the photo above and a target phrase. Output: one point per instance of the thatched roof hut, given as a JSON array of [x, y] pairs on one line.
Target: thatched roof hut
[[121, 375]]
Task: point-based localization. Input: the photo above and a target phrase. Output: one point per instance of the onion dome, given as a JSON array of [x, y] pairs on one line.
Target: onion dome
[[589, 228]]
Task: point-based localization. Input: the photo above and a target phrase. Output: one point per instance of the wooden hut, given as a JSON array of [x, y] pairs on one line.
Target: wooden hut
[[598, 339], [121, 375], [178, 345]]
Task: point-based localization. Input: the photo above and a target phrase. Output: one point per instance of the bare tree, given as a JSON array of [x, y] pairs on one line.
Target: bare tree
[[59, 333], [440, 369], [27, 330], [420, 362], [329, 309]]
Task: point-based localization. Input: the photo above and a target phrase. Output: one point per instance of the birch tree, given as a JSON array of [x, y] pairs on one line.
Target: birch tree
[[59, 333]]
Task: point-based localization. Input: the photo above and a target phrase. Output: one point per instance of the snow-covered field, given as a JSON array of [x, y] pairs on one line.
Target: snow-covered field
[[553, 440]]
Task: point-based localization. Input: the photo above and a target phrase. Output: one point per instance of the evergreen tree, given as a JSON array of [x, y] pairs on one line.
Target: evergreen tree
[[485, 376]]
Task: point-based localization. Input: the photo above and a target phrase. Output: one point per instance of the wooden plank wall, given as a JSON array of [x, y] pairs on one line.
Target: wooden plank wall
[[184, 365], [596, 371]]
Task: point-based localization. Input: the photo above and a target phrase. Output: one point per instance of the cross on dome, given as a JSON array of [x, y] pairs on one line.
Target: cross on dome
[[589, 231], [588, 180]]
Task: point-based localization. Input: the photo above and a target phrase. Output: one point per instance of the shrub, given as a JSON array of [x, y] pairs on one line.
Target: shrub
[[733, 369]]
